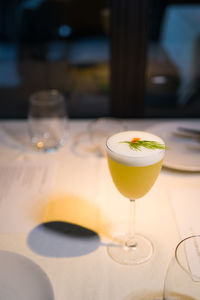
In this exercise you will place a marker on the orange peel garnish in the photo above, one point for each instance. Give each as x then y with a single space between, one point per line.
134 140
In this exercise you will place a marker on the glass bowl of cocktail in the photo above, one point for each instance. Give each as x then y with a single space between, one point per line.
135 160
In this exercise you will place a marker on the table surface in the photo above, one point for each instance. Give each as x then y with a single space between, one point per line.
83 194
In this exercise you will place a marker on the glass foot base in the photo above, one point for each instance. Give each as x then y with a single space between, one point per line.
129 255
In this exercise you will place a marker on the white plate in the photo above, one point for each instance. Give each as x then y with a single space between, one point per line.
22 279
184 152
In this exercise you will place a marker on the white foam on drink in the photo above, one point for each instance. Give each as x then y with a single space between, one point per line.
122 153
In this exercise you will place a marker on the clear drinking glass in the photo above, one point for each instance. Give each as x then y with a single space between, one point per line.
100 129
182 280
92 141
47 120
133 171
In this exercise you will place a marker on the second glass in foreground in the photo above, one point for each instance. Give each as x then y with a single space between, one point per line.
135 159
182 280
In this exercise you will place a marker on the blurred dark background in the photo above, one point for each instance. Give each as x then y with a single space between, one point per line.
65 45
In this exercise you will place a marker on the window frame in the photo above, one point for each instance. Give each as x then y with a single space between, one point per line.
128 57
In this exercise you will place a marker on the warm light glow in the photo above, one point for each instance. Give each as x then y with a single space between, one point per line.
40 145
76 210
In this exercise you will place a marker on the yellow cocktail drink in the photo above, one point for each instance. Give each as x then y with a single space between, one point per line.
134 159
133 171
133 182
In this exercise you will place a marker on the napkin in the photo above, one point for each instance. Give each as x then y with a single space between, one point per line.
24 187
186 207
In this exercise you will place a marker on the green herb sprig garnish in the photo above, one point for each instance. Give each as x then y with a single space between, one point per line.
136 144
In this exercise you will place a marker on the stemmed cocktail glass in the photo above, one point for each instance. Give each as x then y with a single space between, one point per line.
135 160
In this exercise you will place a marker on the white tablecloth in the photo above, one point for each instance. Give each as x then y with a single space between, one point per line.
83 193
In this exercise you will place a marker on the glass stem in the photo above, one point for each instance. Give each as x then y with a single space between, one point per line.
131 242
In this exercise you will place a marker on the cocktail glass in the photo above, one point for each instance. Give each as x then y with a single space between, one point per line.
135 160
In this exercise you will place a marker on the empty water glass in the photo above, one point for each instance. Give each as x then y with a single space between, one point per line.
47 120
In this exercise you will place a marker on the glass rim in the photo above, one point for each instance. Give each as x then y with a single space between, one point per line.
51 101
176 251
